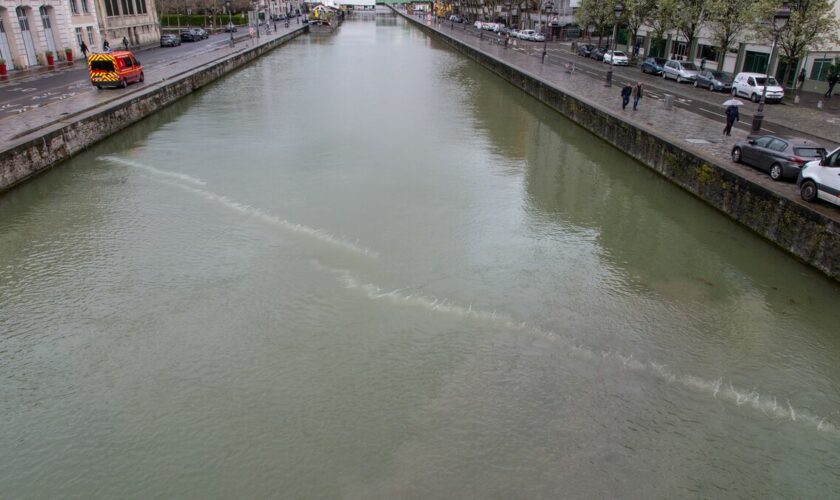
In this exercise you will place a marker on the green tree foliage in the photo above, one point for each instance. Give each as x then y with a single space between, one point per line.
597 13
637 13
689 17
727 19
812 25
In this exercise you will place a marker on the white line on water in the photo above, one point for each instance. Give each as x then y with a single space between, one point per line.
243 208
716 389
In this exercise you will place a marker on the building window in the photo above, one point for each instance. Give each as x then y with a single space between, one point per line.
74 8
127 7
90 36
85 7
111 8
79 38
819 71
141 6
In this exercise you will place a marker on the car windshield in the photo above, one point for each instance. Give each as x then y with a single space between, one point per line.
619 53
689 66
720 75
810 152
770 81
659 60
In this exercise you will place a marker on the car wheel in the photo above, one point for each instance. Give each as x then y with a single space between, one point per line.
679 79
711 88
776 172
142 77
736 154
99 87
696 85
664 75
123 83
808 191
755 98
734 92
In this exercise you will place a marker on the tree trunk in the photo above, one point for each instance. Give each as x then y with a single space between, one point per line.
722 57
787 72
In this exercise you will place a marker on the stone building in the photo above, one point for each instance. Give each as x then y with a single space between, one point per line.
30 28
135 20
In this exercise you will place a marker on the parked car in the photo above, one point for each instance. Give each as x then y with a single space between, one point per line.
202 33
169 40
478 24
456 19
779 156
716 81
751 85
821 179
190 35
538 37
616 57
527 34
230 28
585 49
514 33
681 71
653 65
598 54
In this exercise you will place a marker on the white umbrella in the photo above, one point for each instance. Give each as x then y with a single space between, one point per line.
733 102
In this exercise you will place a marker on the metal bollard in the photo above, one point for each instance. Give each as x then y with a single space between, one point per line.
669 101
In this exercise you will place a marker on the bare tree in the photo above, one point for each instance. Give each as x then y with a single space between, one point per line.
663 18
597 13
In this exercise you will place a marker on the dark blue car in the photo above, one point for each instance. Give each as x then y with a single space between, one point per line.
653 65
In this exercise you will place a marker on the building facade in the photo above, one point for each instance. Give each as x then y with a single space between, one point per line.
29 29
133 20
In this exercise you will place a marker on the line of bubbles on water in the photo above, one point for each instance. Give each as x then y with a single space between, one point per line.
718 389
243 208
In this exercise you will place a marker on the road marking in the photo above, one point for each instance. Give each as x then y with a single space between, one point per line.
709 111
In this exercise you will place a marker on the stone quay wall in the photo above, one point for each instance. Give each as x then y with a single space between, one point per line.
48 146
808 235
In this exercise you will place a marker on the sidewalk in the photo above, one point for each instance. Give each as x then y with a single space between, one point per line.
15 127
691 131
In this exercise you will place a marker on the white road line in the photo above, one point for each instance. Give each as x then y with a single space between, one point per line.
709 111
767 129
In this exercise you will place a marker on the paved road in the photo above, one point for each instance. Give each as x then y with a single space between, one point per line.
38 90
779 119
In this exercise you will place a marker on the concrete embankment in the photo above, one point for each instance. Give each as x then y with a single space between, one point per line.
47 146
793 225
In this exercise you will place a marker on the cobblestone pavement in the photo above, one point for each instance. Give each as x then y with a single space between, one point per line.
48 110
693 132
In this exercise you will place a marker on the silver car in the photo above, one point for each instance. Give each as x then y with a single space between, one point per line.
681 71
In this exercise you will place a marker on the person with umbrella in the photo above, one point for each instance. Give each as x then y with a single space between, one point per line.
732 115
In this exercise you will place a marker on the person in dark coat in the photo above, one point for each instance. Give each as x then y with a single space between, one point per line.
625 95
84 49
801 78
732 116
832 81
125 43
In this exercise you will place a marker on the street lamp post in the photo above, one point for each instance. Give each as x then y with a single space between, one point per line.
548 4
780 19
618 10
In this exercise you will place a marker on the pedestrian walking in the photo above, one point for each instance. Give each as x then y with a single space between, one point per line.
637 95
125 43
626 91
84 49
702 64
801 78
106 47
732 116
832 81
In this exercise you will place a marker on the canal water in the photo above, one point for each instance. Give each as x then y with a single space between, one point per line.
364 267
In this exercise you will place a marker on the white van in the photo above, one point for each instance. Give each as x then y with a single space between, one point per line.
821 179
751 85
